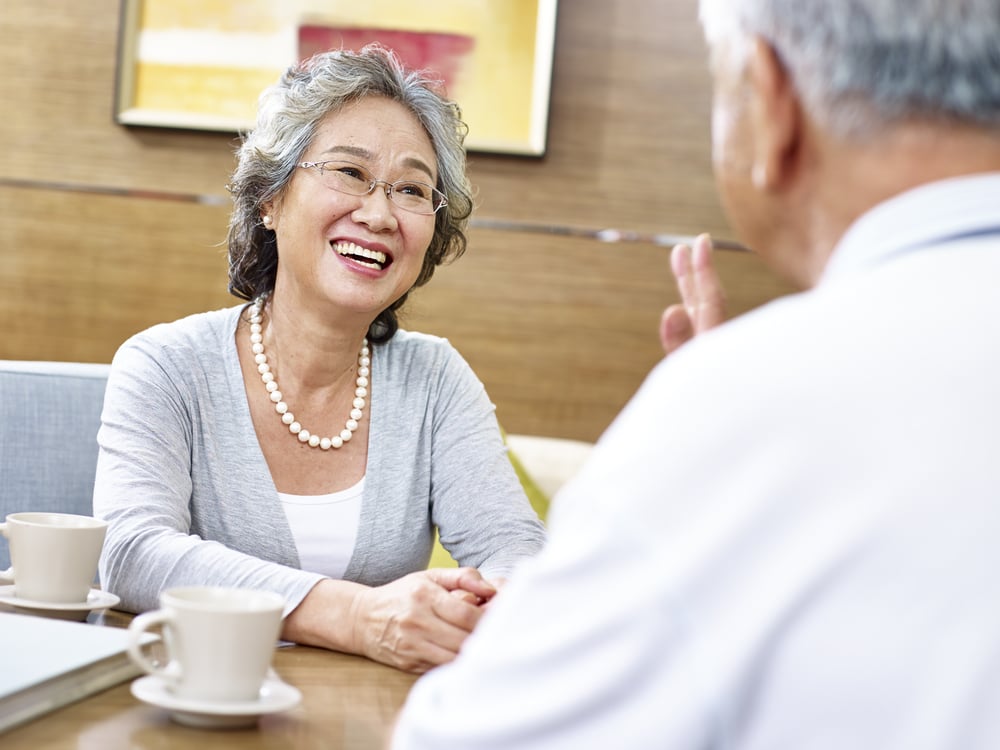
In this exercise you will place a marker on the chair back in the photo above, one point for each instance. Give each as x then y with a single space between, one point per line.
49 416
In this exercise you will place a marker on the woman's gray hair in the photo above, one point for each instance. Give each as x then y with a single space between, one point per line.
862 65
288 116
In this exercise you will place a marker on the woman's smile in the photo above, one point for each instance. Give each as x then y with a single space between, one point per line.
375 259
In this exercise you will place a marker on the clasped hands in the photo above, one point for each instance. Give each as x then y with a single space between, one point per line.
414 623
421 620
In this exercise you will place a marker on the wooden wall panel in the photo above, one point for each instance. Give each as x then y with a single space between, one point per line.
560 328
81 273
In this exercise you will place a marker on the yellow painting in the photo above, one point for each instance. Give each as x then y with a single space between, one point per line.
201 64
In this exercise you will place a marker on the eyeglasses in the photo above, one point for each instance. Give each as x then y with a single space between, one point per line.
353 179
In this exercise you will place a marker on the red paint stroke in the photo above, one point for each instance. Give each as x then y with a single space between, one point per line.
445 54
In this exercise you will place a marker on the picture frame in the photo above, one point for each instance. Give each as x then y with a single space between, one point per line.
201 64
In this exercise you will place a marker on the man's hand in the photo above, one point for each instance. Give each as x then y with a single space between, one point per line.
703 302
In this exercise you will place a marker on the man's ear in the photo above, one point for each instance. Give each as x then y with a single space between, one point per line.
776 118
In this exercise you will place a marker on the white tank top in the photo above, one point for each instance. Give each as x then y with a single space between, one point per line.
325 528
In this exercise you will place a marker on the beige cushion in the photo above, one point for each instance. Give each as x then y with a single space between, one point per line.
550 462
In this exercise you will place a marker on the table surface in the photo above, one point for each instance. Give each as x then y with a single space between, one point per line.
347 702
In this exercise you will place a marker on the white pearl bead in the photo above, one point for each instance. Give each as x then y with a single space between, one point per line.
313 440
255 328
360 392
287 417
356 414
257 348
276 396
364 372
263 367
365 361
363 382
303 436
325 443
295 428
260 359
271 386
359 403
352 424
345 435
256 338
336 441
281 407
267 377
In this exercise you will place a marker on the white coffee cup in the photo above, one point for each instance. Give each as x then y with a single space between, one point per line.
219 641
53 556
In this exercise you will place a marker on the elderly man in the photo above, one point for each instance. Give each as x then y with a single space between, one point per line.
790 537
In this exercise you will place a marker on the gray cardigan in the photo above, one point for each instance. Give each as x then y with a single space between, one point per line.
183 482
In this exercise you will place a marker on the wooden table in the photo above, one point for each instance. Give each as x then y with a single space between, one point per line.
347 702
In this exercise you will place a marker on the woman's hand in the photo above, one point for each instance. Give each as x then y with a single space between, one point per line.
421 620
413 624
703 301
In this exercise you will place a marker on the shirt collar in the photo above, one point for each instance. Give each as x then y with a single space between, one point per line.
924 215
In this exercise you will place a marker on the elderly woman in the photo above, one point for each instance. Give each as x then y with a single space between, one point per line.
327 488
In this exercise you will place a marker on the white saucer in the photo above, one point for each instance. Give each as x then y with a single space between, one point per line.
275 696
96 599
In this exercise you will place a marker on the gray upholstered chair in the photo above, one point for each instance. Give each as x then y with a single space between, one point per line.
49 416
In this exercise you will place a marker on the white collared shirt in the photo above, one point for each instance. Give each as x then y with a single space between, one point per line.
789 538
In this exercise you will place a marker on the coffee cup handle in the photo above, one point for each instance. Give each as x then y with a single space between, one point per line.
137 628
6 576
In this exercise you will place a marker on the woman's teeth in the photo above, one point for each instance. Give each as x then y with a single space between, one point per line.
362 255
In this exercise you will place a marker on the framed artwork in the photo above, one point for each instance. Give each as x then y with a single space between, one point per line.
201 64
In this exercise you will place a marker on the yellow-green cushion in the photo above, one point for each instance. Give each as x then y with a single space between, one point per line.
539 501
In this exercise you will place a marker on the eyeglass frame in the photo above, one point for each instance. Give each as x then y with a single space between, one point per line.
390 187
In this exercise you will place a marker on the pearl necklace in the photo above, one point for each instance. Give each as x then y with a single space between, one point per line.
304 436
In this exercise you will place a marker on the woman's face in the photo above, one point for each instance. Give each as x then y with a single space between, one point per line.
355 254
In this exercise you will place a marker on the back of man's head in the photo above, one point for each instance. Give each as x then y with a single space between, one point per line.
863 65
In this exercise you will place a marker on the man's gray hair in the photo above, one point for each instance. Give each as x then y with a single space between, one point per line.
862 65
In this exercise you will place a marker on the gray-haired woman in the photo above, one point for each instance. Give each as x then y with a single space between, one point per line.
348 193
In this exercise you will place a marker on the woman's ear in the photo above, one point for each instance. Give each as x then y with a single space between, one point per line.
776 118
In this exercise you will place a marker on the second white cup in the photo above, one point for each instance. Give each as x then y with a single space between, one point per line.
220 641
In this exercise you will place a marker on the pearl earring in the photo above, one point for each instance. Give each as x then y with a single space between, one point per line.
267 220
